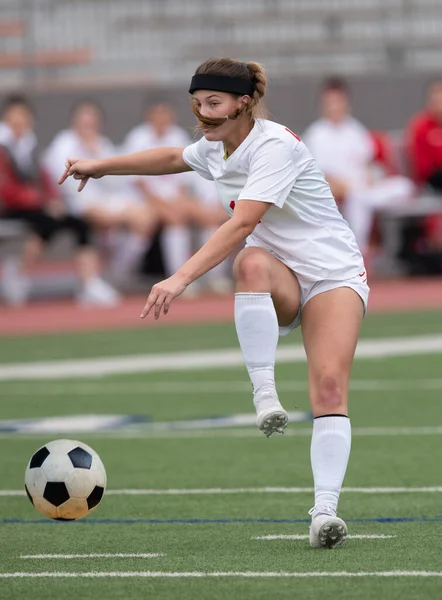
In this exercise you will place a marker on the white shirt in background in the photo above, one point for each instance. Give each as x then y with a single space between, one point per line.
341 150
304 227
112 192
144 137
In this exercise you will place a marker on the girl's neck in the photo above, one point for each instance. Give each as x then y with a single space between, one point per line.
237 137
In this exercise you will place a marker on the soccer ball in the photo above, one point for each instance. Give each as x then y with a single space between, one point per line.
65 480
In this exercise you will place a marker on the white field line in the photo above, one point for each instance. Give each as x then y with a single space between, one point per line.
136 433
179 361
271 490
202 574
252 490
253 433
306 537
69 556
98 388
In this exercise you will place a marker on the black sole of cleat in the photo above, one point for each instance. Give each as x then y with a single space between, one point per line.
332 536
274 425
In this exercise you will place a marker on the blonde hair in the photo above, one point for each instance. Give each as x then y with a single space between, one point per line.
230 67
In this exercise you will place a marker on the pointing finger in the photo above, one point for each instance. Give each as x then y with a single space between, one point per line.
63 176
150 302
159 305
83 182
167 303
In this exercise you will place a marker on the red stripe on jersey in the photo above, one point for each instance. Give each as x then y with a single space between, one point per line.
232 206
293 134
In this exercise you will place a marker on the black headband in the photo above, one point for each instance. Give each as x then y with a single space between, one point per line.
221 83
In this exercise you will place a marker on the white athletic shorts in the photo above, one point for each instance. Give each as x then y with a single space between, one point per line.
309 289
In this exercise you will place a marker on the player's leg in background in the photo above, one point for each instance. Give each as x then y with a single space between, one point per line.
134 227
93 289
219 279
267 296
176 238
16 282
361 206
176 243
330 328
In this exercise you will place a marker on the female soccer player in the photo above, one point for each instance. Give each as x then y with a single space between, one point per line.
300 264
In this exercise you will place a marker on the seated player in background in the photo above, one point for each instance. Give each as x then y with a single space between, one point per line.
301 264
424 149
175 198
28 195
123 223
345 151
424 140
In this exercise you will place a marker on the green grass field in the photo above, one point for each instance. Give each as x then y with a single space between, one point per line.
201 500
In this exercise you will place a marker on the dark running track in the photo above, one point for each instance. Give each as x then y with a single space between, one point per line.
66 316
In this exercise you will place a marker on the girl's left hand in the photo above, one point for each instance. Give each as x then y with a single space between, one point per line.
162 294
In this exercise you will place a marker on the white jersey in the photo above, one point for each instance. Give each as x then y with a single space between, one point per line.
304 227
342 150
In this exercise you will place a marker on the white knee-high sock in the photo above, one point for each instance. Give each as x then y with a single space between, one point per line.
329 453
257 328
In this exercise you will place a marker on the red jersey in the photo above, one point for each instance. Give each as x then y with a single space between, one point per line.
383 154
424 141
17 192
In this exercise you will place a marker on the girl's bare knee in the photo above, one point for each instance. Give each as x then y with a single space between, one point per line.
251 268
329 397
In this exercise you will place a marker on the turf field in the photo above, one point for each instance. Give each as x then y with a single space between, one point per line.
197 510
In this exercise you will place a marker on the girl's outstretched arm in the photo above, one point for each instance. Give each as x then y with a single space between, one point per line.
246 216
159 161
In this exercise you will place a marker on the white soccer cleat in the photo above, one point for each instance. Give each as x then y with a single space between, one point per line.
326 530
271 416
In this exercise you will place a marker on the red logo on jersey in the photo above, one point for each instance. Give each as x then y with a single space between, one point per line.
232 206
293 134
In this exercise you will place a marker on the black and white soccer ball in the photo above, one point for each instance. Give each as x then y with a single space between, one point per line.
65 480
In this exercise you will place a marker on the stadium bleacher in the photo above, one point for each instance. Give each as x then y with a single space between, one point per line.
63 42
354 36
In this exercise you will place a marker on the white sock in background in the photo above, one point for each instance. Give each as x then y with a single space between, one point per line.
329 453
128 253
223 269
258 333
176 245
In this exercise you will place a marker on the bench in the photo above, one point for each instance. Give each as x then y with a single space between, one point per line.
12 237
12 28
45 58
391 220
12 230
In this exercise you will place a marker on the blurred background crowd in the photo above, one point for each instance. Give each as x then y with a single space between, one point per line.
114 221
360 82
